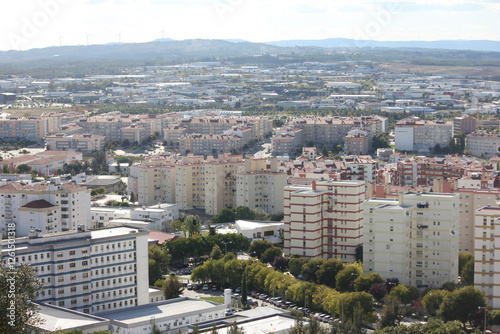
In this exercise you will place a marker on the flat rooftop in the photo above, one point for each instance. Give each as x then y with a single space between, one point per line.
168 309
56 318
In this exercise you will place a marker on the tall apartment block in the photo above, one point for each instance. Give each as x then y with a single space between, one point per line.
259 187
486 255
324 220
50 207
87 271
413 238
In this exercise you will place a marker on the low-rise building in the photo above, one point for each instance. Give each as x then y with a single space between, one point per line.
261 230
484 145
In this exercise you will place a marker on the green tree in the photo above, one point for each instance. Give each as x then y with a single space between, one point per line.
346 277
172 287
433 299
405 294
224 216
132 197
23 169
244 213
365 282
295 265
269 255
391 312
244 292
216 253
258 247
461 304
327 272
310 268
19 287
466 267
195 330
214 330
159 263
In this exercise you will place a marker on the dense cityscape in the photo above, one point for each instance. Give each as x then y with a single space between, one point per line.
274 189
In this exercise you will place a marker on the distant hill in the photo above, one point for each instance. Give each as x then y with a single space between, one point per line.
474 45
163 49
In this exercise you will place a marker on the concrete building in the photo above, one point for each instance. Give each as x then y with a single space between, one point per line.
77 142
324 220
357 142
361 168
50 207
88 271
287 140
260 187
413 238
486 255
261 230
155 181
483 144
190 183
413 134
169 316
159 216
28 128
220 183
464 124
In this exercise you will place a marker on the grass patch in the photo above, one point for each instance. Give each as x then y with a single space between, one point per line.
219 300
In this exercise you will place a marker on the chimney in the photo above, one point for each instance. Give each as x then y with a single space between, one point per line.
314 185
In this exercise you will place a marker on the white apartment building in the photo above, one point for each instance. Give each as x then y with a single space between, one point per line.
413 134
78 142
482 144
88 271
413 238
324 220
259 187
50 207
486 255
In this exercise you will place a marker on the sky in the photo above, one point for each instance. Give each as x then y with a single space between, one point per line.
31 24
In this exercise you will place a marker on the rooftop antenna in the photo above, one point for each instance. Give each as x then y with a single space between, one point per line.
163 33
120 37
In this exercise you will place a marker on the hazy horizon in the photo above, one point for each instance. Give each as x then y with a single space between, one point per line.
81 22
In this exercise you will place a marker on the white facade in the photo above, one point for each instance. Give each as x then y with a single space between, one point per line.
414 238
159 216
169 316
260 230
403 139
88 272
69 203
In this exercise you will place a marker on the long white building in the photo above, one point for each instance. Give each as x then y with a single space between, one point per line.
413 238
88 271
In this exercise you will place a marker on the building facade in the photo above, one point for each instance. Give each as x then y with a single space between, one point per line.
324 220
413 238
88 271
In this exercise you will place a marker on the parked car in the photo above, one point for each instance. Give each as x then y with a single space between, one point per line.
214 288
238 290
205 287
196 287
190 286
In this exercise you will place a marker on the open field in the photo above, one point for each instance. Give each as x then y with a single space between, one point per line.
473 72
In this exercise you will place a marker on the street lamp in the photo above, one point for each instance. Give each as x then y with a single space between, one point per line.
483 307
225 245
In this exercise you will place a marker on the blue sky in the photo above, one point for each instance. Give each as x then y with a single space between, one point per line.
39 23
